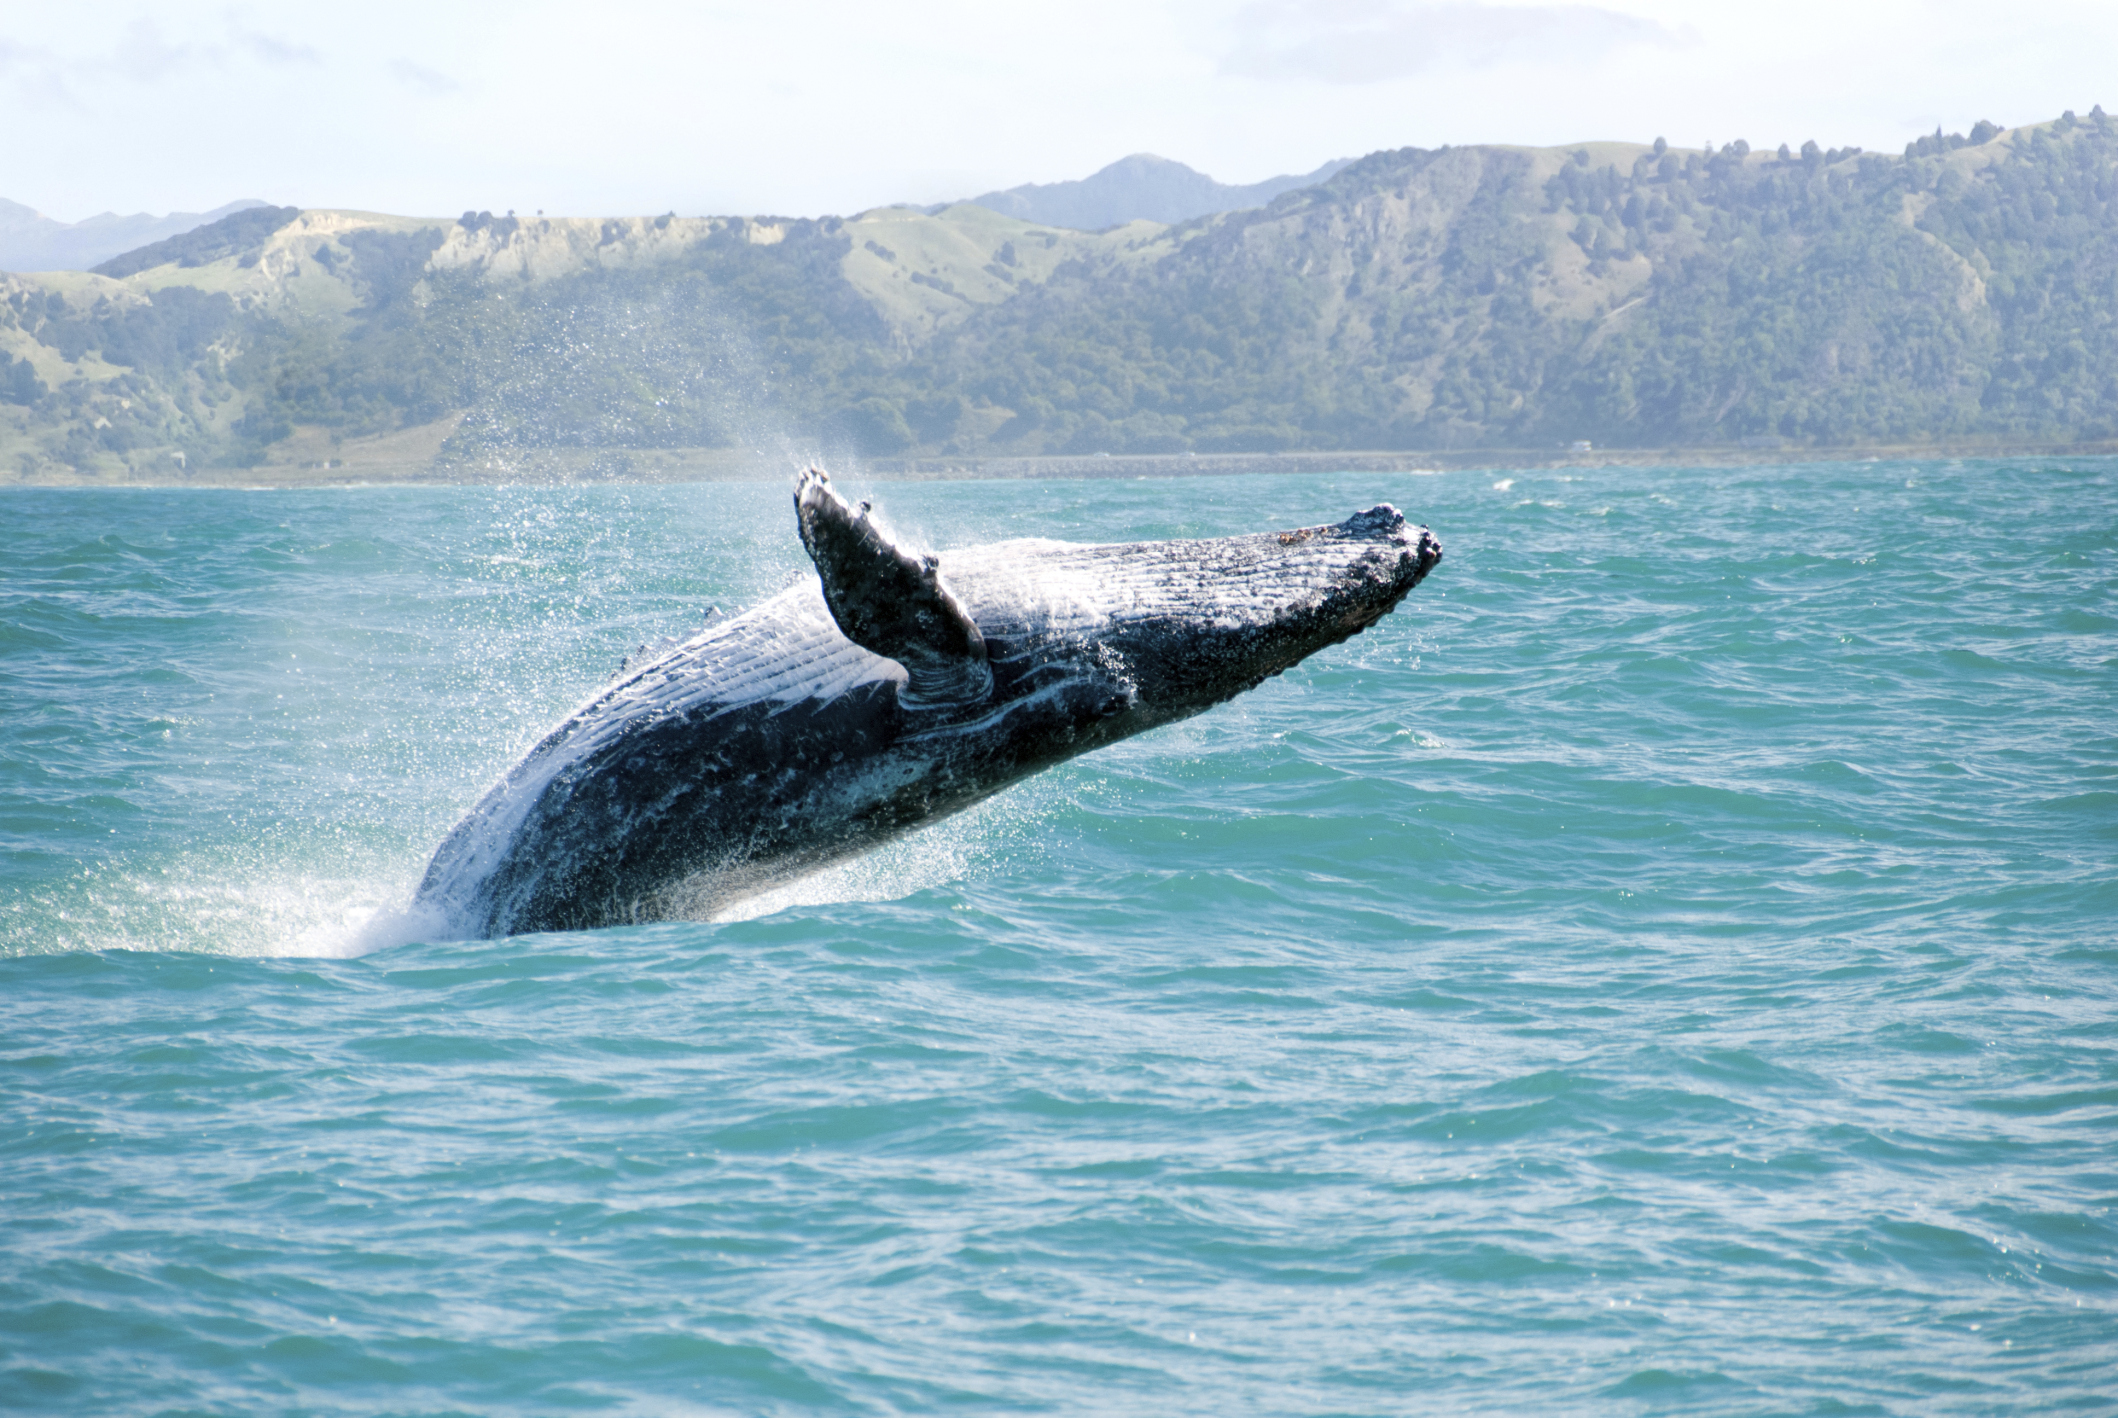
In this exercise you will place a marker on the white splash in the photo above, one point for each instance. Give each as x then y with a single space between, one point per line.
225 908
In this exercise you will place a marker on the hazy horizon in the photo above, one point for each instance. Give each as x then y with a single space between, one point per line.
834 108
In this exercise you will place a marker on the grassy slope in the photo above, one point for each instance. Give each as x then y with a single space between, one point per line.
1503 297
972 257
1462 297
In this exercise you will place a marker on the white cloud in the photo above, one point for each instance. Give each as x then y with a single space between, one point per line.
16 59
1371 41
274 49
420 77
38 83
143 55
813 106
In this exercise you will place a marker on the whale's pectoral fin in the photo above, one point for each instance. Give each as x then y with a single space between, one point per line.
890 602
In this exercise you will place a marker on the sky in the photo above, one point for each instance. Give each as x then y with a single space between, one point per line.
813 107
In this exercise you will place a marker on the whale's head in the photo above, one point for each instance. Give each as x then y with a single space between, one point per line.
1112 637
1178 626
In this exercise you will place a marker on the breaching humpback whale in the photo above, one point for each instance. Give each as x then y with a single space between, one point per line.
890 691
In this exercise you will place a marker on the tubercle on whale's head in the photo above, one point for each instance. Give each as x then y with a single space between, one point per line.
1255 606
1419 550
1340 579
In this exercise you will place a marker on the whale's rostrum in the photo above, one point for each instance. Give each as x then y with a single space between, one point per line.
890 691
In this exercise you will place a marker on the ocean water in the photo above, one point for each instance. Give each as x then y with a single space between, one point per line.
1670 965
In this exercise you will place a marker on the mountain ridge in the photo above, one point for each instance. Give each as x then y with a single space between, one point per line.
31 241
1140 187
1444 299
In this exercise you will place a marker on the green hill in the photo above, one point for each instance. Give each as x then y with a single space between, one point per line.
1458 298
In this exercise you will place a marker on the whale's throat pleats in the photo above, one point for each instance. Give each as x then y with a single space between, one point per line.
890 602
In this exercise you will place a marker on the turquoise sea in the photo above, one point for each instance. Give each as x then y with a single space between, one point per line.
1670 965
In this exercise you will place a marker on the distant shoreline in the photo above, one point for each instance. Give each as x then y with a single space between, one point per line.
585 467
1463 460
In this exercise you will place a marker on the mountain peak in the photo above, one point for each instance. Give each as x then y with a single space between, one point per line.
31 241
1140 186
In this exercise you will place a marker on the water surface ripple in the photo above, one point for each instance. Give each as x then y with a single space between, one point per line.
1667 967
